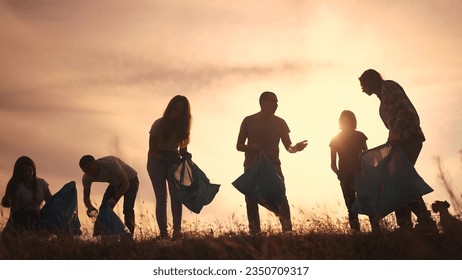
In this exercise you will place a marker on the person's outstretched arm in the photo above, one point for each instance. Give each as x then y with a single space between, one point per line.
300 146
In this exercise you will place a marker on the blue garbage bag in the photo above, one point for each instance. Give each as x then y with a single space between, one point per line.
262 183
60 214
191 186
107 223
387 182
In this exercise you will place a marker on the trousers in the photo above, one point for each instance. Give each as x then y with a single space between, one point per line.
158 173
412 147
129 201
253 214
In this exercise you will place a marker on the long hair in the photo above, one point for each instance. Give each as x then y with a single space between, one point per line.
347 120
18 176
178 124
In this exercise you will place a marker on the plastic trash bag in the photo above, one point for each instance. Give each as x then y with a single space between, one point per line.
60 214
183 173
191 186
107 223
387 182
262 183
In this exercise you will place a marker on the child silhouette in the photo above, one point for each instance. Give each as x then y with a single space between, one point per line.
346 146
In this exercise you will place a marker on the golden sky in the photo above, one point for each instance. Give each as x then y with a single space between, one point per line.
80 77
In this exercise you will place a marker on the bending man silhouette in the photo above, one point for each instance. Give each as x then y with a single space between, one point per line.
122 179
403 123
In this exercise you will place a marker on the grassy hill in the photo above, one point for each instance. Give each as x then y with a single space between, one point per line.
316 242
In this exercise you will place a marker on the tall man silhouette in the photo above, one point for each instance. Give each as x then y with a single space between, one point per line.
264 131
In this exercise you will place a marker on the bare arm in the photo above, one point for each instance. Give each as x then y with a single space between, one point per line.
300 146
47 194
241 138
365 148
333 160
86 194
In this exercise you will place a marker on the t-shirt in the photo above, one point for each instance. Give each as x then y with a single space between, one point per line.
25 199
348 146
110 168
397 112
164 144
265 133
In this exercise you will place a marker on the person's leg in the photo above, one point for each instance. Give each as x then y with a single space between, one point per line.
284 208
349 196
284 215
253 215
176 206
412 147
129 204
25 220
108 194
158 173
420 210
9 235
403 217
375 224
34 220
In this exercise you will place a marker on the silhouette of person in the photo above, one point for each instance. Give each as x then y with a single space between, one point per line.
347 145
24 195
122 179
263 131
168 141
403 123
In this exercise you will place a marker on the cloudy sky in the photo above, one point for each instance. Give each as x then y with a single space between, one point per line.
90 77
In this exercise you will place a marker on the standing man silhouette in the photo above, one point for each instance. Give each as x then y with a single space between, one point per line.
263 131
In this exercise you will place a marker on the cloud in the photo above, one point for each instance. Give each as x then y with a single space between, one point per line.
91 76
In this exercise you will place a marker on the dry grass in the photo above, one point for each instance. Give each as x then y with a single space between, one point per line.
445 180
319 237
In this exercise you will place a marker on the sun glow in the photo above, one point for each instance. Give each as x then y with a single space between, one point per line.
91 78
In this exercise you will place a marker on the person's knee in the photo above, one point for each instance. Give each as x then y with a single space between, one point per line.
129 212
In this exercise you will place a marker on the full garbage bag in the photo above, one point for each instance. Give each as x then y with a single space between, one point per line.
262 183
191 186
60 214
387 182
107 223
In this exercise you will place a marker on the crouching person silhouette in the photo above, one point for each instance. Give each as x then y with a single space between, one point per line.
122 179
24 195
